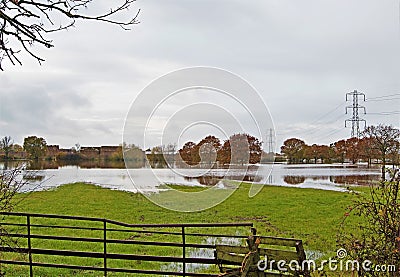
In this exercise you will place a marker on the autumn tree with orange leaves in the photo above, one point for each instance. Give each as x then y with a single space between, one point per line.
353 150
239 149
189 153
380 143
208 149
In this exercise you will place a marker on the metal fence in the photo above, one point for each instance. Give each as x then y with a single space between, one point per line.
33 237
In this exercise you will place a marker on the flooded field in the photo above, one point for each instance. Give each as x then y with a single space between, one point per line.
329 177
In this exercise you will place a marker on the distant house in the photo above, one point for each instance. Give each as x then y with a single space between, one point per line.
90 153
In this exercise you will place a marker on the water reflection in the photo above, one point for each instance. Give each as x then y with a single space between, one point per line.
212 180
204 180
41 165
51 164
362 180
294 180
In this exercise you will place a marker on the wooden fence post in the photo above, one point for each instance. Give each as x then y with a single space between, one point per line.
28 226
184 250
105 246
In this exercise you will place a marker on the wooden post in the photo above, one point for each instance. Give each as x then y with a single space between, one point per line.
105 246
252 257
184 251
28 225
302 257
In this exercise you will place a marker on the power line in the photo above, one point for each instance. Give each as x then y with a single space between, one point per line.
329 134
317 128
331 111
383 96
386 113
385 99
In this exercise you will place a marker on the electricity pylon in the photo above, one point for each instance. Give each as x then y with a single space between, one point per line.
355 119
270 141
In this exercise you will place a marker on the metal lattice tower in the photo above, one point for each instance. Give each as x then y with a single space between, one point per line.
355 119
270 141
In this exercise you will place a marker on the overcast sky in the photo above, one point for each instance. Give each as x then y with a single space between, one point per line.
301 56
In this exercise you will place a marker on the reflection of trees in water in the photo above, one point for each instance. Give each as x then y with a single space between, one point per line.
246 178
41 164
294 180
210 180
363 180
45 164
205 180
318 178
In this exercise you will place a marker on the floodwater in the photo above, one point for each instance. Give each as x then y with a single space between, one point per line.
328 177
318 176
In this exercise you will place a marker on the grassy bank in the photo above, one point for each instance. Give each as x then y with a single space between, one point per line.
311 215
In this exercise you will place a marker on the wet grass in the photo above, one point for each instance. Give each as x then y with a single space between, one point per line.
311 215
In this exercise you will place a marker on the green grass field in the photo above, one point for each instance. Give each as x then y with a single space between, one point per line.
309 214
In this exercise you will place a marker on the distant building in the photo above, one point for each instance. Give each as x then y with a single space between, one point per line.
52 152
90 153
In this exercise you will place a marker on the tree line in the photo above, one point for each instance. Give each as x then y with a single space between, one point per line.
36 148
239 149
380 143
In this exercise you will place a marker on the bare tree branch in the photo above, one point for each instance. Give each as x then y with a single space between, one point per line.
26 23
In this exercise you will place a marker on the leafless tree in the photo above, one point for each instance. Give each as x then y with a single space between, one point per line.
26 23
11 182
6 144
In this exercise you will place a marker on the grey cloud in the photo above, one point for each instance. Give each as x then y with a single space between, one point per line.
302 56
